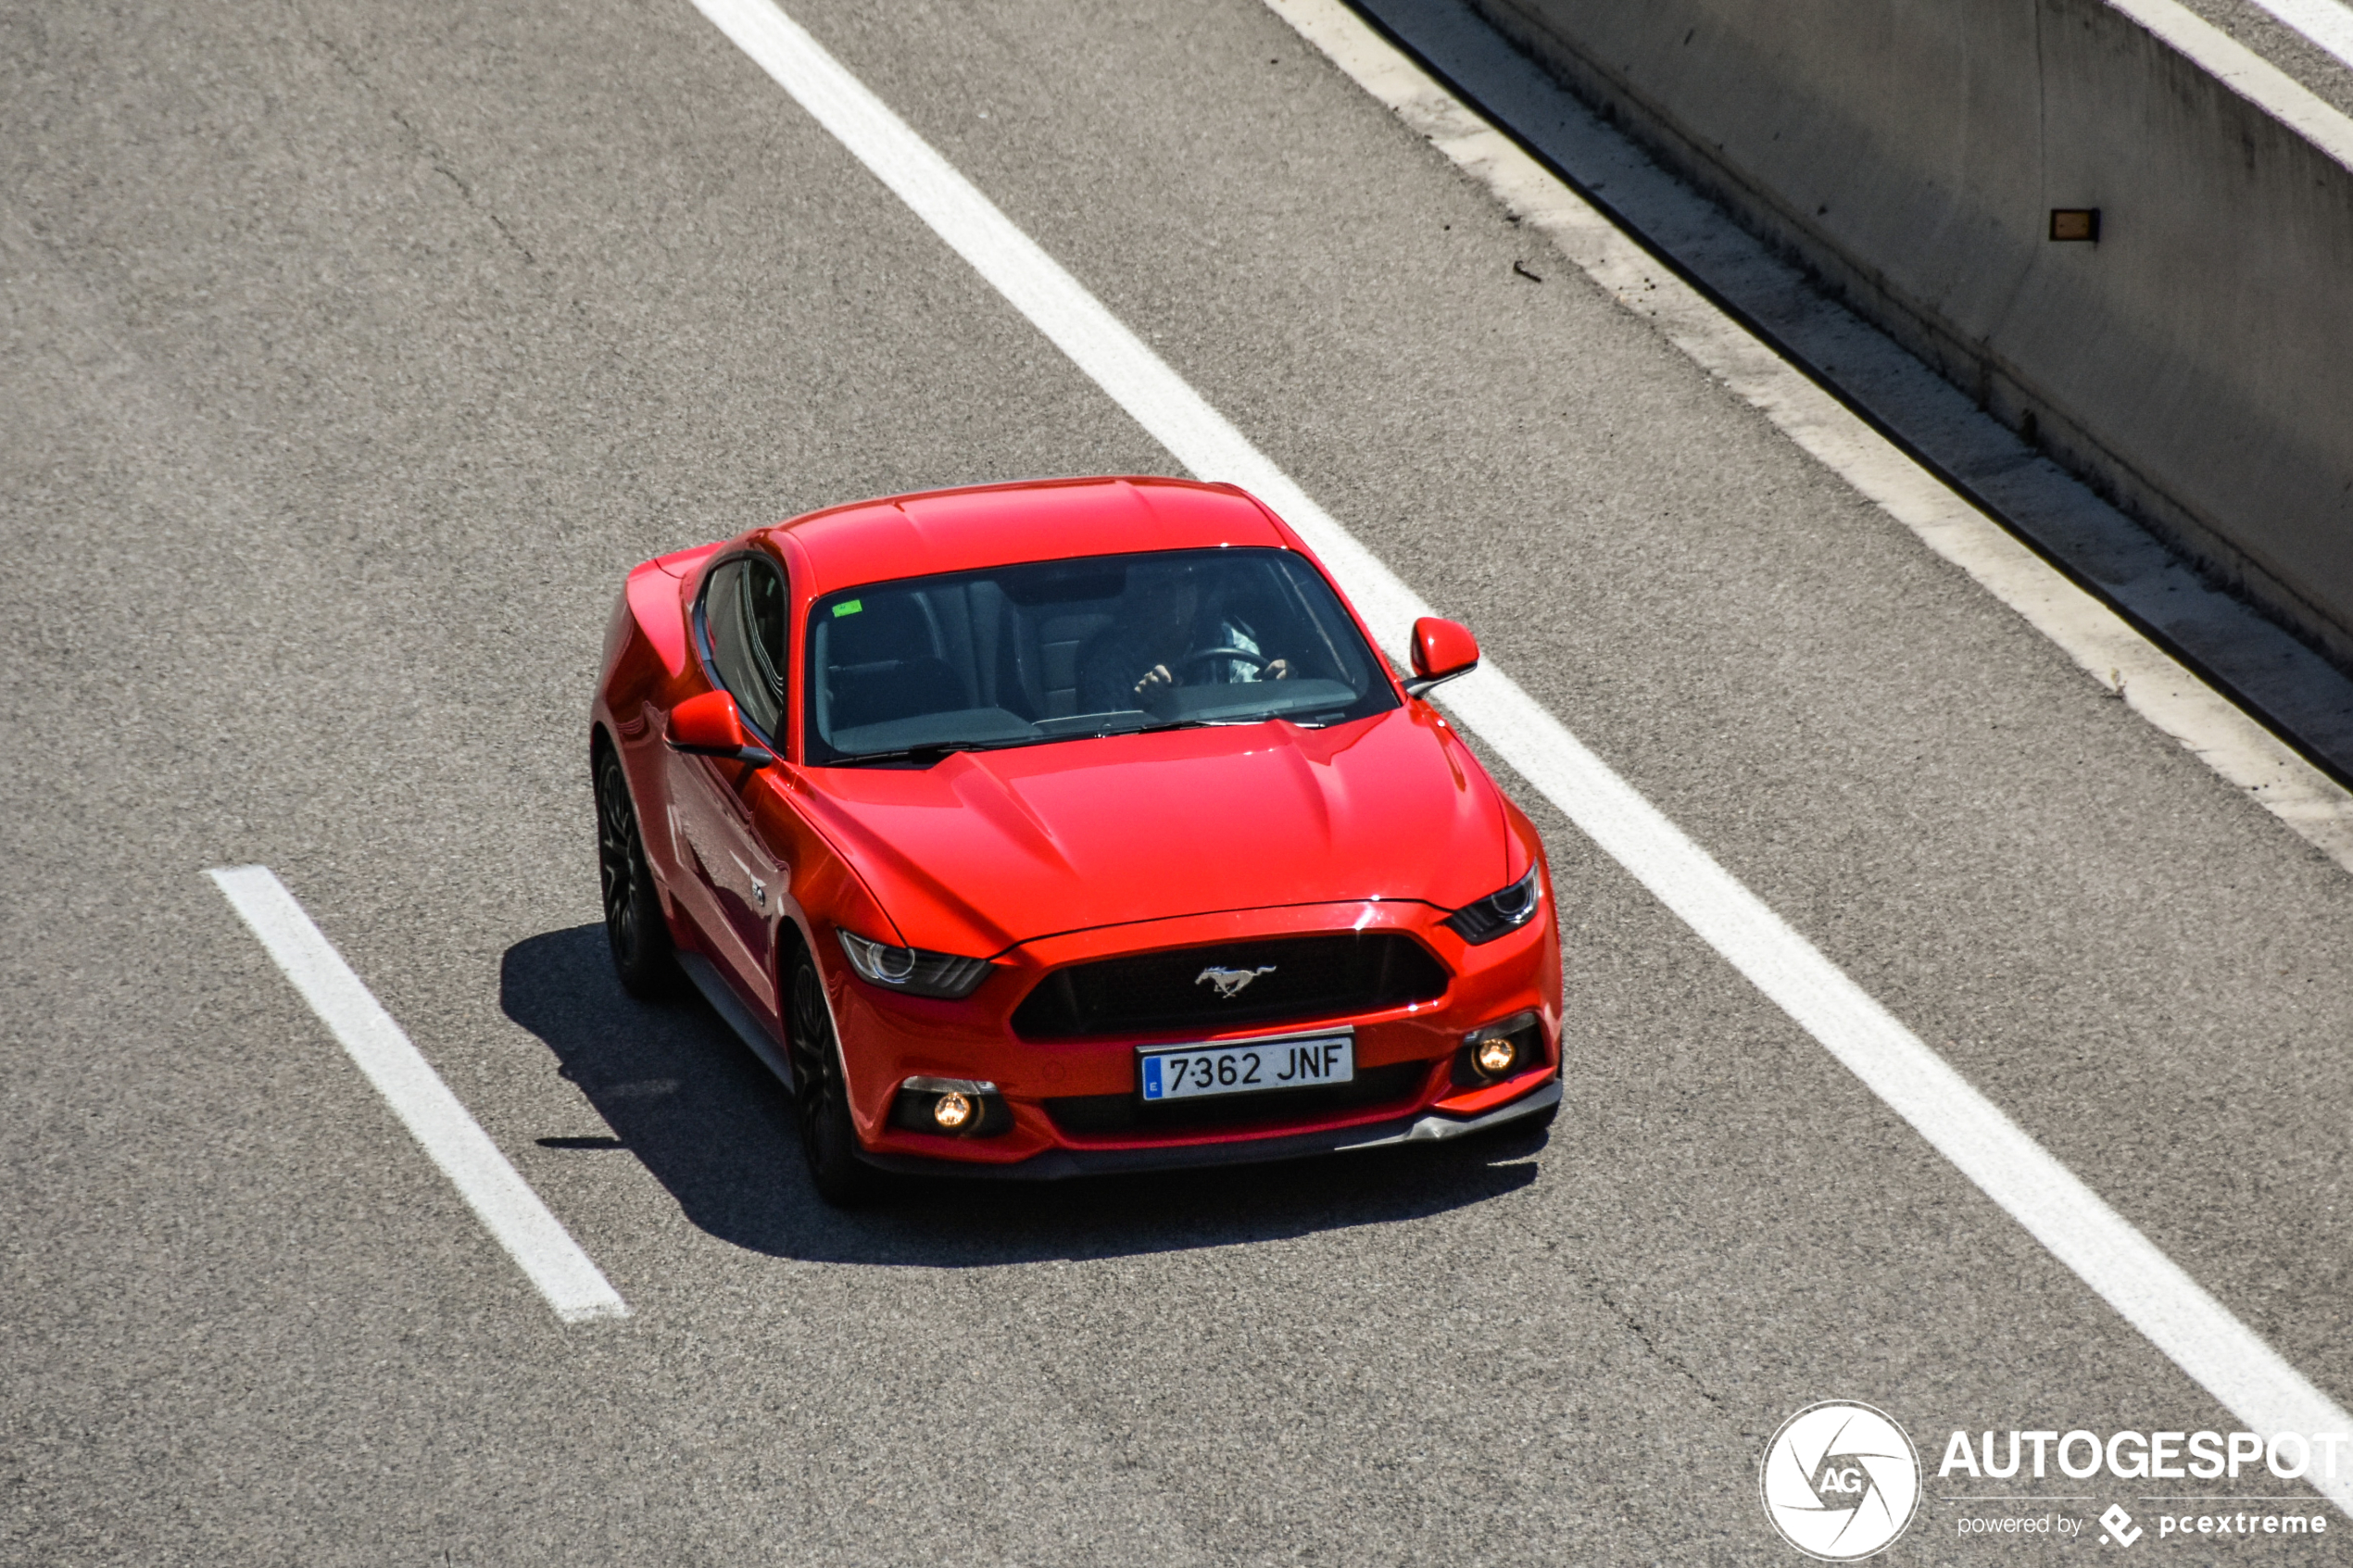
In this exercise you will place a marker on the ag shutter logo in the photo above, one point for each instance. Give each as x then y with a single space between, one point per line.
1840 1480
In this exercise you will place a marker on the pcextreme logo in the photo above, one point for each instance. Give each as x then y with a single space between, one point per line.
1840 1480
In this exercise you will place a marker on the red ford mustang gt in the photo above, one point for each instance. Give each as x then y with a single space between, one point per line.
1062 827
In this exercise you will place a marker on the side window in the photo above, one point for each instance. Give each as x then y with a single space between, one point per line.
743 610
764 597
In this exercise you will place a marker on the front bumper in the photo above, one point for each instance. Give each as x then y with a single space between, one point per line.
1402 1051
1060 1164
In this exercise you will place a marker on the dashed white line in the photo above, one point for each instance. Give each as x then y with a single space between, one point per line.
504 1203
2150 1291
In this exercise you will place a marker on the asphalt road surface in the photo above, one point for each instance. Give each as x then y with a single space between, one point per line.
350 353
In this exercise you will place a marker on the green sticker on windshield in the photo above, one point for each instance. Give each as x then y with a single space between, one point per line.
849 606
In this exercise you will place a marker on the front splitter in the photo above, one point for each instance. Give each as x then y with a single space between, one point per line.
1061 1164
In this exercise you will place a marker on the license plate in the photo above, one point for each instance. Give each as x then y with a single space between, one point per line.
1247 1066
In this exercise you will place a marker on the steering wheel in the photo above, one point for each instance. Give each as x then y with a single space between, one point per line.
1206 655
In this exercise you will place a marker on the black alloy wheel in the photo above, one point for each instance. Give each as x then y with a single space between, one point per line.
821 1100
634 926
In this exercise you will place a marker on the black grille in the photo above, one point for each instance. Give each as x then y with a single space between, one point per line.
1112 1115
1294 978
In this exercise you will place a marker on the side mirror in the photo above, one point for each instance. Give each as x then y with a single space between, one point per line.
708 725
1443 649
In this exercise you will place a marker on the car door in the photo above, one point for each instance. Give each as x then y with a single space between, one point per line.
740 627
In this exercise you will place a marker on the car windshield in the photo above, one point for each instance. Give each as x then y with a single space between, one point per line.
1057 650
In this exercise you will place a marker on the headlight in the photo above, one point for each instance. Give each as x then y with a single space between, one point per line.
1507 910
911 969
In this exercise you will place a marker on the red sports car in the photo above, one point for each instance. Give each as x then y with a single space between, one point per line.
1039 829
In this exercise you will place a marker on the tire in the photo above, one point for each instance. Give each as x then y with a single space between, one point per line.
821 1100
635 929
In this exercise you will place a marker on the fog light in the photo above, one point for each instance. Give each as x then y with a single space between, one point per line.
1496 1051
964 1108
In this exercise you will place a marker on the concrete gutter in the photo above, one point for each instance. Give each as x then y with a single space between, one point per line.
2194 364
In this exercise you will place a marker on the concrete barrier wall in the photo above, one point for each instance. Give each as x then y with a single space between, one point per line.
2195 364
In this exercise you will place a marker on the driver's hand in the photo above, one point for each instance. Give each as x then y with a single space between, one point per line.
1157 675
1278 670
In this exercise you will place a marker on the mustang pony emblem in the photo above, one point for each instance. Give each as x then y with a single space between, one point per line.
1230 982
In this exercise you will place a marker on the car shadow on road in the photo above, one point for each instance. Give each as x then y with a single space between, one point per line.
697 1110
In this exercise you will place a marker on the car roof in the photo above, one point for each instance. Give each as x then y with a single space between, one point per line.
1040 520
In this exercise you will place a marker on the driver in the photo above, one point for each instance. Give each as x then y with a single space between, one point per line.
1147 649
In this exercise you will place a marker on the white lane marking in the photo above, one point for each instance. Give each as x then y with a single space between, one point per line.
2106 647
498 1193
2133 1275
2152 1293
2325 22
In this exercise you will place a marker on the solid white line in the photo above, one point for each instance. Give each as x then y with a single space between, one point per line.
2325 22
2082 1231
2148 1288
498 1193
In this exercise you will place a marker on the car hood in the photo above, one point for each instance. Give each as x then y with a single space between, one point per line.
986 850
